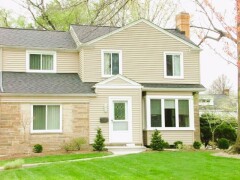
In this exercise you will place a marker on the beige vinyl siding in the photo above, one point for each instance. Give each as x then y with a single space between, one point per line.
1 57
118 81
43 99
98 104
81 52
187 137
15 60
67 62
143 50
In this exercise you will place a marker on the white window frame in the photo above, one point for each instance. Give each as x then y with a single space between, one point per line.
46 131
181 65
102 61
176 98
28 52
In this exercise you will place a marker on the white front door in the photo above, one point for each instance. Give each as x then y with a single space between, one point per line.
120 116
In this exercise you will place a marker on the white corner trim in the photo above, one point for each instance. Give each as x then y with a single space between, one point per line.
102 61
176 98
149 23
74 35
1 69
28 52
46 131
181 64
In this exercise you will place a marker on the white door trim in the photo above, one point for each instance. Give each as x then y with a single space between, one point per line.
129 114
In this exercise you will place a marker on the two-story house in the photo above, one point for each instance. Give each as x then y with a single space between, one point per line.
128 81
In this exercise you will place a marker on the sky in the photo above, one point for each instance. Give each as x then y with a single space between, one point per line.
211 65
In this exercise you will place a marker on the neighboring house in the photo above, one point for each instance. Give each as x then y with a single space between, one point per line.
128 81
219 104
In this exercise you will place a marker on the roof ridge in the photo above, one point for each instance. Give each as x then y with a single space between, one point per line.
32 29
94 25
170 28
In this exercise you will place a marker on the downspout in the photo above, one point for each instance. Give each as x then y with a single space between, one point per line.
1 70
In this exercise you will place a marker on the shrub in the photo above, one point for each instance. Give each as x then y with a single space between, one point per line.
98 144
37 148
157 143
178 144
197 145
74 144
206 134
166 145
226 131
14 164
223 143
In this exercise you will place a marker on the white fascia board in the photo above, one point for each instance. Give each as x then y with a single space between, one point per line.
40 48
131 82
174 89
47 95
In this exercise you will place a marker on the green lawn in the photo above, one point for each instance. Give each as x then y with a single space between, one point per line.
54 158
151 165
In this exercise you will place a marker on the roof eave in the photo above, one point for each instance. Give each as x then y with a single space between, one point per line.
174 89
47 95
39 48
194 47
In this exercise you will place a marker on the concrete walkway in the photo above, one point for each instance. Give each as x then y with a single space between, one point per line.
73 160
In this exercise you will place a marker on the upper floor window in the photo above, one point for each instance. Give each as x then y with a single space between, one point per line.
111 62
173 65
38 61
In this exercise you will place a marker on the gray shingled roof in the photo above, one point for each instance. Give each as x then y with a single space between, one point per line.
45 83
61 39
36 38
174 86
181 35
86 33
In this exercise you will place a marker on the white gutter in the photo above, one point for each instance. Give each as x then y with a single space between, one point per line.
40 48
175 89
52 95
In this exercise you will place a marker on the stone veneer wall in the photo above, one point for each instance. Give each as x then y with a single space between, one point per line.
15 136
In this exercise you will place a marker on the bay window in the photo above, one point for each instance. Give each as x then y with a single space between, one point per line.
170 112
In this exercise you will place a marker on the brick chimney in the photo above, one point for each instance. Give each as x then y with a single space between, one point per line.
183 23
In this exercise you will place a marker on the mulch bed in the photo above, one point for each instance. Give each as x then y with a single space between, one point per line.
44 153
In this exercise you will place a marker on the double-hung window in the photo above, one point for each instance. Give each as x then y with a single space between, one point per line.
173 65
41 61
167 112
111 62
46 118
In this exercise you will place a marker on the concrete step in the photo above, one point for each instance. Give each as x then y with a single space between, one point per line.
127 149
